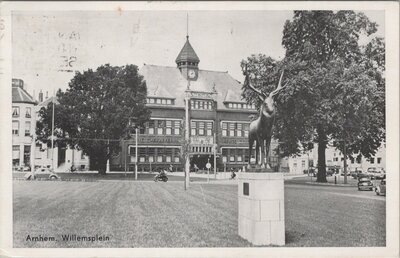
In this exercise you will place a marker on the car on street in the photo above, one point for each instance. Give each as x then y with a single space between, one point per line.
378 173
365 183
42 173
381 188
355 173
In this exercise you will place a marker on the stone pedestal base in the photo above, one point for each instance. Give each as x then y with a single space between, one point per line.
261 208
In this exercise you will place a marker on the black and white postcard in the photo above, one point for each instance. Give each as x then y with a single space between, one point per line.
199 129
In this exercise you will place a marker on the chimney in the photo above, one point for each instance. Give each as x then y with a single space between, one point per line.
47 94
40 96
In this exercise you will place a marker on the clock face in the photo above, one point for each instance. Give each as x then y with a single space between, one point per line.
191 74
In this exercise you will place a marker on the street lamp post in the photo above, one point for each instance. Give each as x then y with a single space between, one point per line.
187 158
52 134
136 152
215 155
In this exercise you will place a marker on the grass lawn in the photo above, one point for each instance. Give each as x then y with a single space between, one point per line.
131 214
150 214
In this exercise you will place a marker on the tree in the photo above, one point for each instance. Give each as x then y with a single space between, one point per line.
331 80
98 105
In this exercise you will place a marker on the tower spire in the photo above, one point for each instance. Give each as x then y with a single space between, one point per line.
187 26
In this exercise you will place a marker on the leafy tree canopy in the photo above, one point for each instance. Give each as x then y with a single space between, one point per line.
335 86
98 105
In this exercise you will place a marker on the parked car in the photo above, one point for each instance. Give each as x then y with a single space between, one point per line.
355 173
43 173
378 173
365 183
381 188
23 168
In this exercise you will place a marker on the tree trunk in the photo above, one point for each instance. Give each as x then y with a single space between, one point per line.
98 163
321 175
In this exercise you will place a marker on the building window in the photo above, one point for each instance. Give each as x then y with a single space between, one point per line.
246 130
27 155
160 153
177 127
15 111
168 155
303 163
224 129
209 128
28 112
378 160
151 152
27 128
193 128
160 128
372 160
151 125
176 155
142 154
168 129
359 160
239 105
352 159
201 128
201 104
15 127
239 130
15 155
231 129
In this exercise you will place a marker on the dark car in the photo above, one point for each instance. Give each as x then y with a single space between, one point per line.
355 173
381 188
365 183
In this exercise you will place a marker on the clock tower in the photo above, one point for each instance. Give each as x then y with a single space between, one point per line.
188 62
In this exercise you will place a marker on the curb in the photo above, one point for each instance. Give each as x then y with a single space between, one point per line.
330 184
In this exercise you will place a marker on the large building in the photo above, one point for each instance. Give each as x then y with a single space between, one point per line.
217 114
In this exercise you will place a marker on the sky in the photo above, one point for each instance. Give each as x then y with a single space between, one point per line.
47 47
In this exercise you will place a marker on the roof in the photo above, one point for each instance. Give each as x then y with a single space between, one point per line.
187 53
167 82
19 95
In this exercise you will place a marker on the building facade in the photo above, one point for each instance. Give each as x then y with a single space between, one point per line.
23 125
218 119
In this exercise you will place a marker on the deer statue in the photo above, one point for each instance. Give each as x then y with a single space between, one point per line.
261 129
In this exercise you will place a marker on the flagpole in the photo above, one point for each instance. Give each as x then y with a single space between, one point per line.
52 134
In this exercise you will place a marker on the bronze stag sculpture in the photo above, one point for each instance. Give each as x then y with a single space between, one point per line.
261 129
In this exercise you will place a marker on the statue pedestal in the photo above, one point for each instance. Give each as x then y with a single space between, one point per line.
261 208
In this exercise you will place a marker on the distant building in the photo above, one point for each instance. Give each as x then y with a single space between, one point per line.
23 124
64 157
335 159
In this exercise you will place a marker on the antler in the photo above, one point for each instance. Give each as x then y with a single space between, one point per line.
279 88
248 83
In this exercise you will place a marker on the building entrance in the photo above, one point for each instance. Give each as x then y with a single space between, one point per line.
201 160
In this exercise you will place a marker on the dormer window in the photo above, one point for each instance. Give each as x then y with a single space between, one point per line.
160 101
233 105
